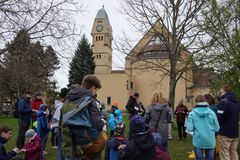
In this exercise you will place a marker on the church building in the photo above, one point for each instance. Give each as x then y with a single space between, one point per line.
118 85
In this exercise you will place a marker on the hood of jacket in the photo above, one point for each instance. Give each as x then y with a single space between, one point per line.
201 109
36 138
230 96
78 93
144 141
118 113
158 107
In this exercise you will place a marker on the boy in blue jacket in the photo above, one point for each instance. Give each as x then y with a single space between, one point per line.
111 151
202 121
42 126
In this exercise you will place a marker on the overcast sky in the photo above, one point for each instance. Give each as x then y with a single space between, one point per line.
120 23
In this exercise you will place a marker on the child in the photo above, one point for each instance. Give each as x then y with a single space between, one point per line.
33 146
141 146
111 123
160 153
111 151
203 123
42 127
113 120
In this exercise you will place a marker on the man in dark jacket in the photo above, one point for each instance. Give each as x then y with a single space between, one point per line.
141 146
5 134
24 120
181 112
228 117
132 105
89 87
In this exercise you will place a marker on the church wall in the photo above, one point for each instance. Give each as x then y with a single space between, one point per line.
114 86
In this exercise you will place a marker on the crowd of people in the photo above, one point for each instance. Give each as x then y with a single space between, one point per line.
78 123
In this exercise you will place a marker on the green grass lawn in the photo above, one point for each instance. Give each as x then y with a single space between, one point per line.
177 149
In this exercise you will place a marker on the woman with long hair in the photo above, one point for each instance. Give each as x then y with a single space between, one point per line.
158 115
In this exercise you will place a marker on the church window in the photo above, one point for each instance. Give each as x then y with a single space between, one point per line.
108 100
101 38
96 38
99 56
127 85
155 41
131 85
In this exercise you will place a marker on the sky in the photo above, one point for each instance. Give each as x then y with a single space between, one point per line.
120 24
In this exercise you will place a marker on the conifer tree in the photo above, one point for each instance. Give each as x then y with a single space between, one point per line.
82 62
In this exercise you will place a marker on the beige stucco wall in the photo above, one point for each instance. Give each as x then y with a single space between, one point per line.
114 86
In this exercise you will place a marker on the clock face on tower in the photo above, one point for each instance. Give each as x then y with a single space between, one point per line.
99 28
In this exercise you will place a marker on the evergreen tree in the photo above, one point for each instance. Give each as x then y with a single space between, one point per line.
26 66
82 62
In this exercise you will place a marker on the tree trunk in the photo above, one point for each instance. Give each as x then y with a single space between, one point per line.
172 86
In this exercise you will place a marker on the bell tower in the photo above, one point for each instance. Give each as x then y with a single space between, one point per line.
102 42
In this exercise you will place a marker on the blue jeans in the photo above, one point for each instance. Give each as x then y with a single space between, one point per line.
209 153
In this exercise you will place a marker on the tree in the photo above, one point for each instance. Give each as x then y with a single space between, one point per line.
222 24
26 66
82 62
177 30
44 20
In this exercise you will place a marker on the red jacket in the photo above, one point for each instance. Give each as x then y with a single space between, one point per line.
36 103
161 155
33 149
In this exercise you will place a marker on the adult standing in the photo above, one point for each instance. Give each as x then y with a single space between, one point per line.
5 134
70 134
181 113
228 117
24 120
35 104
158 115
202 121
132 105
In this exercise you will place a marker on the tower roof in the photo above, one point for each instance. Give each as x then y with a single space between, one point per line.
102 14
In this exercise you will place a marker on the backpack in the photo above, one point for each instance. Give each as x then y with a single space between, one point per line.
15 111
76 127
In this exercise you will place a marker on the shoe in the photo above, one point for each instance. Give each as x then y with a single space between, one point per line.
45 153
54 147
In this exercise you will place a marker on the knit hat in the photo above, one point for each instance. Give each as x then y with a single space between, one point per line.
157 139
115 103
43 107
137 125
120 127
30 133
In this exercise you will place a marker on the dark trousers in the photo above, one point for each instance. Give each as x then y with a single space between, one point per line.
181 131
54 137
23 127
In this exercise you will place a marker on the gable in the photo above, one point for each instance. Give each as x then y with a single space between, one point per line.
150 41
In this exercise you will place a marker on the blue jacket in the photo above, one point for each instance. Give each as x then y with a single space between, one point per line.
202 121
25 110
114 119
228 113
42 123
111 151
